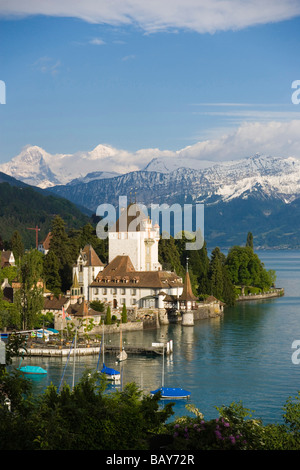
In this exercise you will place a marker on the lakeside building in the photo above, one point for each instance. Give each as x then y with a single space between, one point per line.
85 270
133 275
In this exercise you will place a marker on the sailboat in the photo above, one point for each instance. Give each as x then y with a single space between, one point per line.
111 374
169 392
122 356
36 370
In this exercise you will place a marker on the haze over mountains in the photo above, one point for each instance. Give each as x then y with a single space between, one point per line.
260 193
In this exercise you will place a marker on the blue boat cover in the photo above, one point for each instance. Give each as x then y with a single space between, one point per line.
33 370
108 371
171 392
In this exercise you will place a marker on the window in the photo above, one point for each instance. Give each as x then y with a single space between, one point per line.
104 291
123 301
113 291
133 291
123 291
133 301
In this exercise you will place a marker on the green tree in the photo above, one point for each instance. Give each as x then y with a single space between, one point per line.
108 316
61 247
216 273
29 297
124 314
51 272
97 305
17 246
249 241
246 269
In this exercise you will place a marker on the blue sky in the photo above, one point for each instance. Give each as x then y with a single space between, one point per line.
134 83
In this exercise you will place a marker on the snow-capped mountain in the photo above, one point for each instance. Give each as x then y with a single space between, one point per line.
37 167
167 173
259 193
260 176
34 166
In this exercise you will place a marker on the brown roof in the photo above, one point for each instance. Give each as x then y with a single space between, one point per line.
211 299
187 293
91 256
5 255
81 309
121 271
54 303
128 216
46 242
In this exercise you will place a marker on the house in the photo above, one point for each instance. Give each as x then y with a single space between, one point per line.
44 246
55 304
7 291
120 283
87 267
79 314
7 259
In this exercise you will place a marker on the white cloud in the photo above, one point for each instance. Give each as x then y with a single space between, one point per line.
97 42
197 15
47 65
271 138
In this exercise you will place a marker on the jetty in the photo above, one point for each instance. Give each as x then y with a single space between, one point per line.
52 351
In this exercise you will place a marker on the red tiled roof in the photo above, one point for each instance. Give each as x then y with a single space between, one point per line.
92 257
121 271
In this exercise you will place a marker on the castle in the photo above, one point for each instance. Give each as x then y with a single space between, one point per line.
133 275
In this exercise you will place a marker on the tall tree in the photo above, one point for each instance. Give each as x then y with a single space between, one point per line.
51 272
249 241
216 273
61 247
29 296
124 314
17 246
108 316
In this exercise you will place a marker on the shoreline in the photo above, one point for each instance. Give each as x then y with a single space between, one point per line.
279 292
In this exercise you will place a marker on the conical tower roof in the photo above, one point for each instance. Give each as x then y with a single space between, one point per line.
187 293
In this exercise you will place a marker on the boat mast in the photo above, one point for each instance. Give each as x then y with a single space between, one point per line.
163 367
74 358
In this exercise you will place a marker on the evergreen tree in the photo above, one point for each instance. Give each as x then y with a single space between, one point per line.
51 273
220 283
216 274
169 255
108 316
29 297
61 247
249 241
87 236
17 246
124 314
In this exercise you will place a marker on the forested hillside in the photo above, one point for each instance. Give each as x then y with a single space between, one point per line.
24 207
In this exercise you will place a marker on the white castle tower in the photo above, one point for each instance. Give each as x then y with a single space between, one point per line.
134 235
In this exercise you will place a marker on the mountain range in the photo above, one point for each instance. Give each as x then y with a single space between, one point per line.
260 193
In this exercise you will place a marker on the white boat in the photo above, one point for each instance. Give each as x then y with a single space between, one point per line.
122 356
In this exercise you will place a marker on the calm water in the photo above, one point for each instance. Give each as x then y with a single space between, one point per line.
243 356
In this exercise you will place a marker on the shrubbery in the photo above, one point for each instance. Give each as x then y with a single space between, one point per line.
88 418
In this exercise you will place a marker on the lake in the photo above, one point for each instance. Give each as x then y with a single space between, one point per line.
245 355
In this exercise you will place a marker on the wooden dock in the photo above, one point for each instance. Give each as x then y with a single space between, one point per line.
44 351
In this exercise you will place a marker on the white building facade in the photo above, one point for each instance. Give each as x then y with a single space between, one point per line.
134 235
86 269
